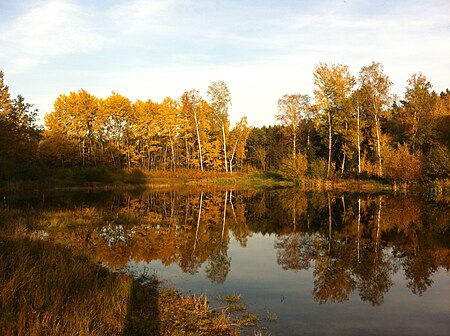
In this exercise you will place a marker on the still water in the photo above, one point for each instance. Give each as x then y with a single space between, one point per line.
305 263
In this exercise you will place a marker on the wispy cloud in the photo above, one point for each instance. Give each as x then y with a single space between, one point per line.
49 29
140 16
263 49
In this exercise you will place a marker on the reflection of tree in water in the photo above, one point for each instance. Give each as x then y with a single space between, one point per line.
374 274
294 204
357 243
418 271
333 280
219 265
354 242
295 251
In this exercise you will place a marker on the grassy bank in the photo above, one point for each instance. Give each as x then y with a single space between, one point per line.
110 178
47 289
78 178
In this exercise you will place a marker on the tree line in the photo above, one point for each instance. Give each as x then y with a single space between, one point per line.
188 132
352 126
355 126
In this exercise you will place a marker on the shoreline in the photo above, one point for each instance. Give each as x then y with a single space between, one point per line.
73 181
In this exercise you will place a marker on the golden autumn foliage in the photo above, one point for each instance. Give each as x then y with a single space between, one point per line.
351 126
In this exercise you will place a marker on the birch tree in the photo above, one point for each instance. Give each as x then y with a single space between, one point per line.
220 101
291 110
239 135
191 102
332 95
375 87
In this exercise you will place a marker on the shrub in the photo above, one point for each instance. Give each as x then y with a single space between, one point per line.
318 168
437 162
294 168
402 164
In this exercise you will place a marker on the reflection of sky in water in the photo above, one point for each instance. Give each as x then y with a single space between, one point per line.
268 289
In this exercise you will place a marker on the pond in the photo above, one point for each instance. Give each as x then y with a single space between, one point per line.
306 263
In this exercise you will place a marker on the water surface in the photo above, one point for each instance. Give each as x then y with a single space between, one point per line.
306 263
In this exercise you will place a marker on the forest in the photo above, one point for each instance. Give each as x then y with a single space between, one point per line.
352 127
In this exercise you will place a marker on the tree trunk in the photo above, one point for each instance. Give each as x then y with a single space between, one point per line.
82 152
378 135
380 173
128 154
187 153
198 141
359 142
295 143
359 225
308 140
329 224
224 147
232 208
232 155
329 144
378 225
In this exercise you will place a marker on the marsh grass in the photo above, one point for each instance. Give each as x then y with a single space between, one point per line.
230 298
47 289
318 184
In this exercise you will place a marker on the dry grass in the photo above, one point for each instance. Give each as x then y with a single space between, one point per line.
312 184
46 289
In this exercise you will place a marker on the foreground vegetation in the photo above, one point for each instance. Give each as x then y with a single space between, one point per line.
48 289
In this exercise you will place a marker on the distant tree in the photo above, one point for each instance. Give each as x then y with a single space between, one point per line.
332 95
145 130
293 168
291 110
75 116
260 154
220 101
238 138
171 126
5 98
117 119
191 102
58 150
375 100
19 134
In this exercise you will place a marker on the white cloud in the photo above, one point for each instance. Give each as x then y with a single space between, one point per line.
47 29
138 16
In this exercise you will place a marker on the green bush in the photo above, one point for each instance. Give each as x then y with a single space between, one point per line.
294 168
437 163
318 168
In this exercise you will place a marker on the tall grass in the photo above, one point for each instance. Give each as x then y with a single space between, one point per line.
46 289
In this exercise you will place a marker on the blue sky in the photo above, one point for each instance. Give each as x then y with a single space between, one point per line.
151 49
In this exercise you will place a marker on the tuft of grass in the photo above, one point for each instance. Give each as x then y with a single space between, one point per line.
192 316
230 298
